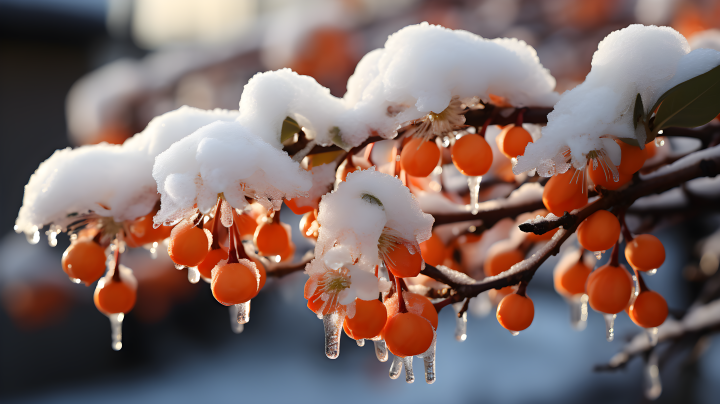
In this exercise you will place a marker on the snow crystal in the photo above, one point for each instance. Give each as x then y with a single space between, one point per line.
456 276
224 158
108 180
648 60
422 67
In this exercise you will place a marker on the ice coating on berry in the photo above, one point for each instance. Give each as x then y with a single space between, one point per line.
109 180
224 157
648 60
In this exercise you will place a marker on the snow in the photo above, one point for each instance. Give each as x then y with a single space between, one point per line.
687 161
422 67
109 180
224 158
648 60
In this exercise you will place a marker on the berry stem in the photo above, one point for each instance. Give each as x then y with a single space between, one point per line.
625 230
520 117
199 220
464 308
240 252
484 127
216 226
522 288
582 256
401 298
391 279
614 256
232 251
116 271
641 282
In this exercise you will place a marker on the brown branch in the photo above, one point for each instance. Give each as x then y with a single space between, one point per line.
280 271
489 217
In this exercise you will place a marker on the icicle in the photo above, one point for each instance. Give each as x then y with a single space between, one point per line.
652 334
396 367
514 333
460 322
409 375
381 350
243 312
179 267
578 311
651 272
52 238
34 237
474 185
610 326
332 335
429 362
116 330
653 387
236 327
153 250
226 214
193 275
360 342
598 254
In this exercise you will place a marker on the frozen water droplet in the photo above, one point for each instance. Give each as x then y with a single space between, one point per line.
193 275
360 342
179 267
332 324
651 272
16 228
652 334
514 333
429 362
598 254
396 367
52 239
75 280
460 322
243 313
610 326
409 375
153 250
236 327
474 185
659 141
278 258
34 237
578 311
116 330
381 351
653 387
446 142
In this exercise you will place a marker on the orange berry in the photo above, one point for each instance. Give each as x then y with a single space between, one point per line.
609 289
632 158
645 252
141 232
246 224
433 250
261 270
299 210
572 280
515 312
234 284
369 319
407 334
315 302
289 253
114 297
306 223
650 150
565 192
649 309
84 260
402 263
211 260
415 303
189 245
599 232
498 263
271 239
472 155
605 178
512 141
419 157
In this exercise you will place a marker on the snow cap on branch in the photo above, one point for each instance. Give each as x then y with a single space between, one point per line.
423 67
224 157
645 60
109 180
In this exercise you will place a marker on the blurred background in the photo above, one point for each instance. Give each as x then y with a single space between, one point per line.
76 72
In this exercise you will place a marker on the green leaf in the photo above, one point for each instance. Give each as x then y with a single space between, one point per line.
639 111
338 140
289 128
691 103
372 199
